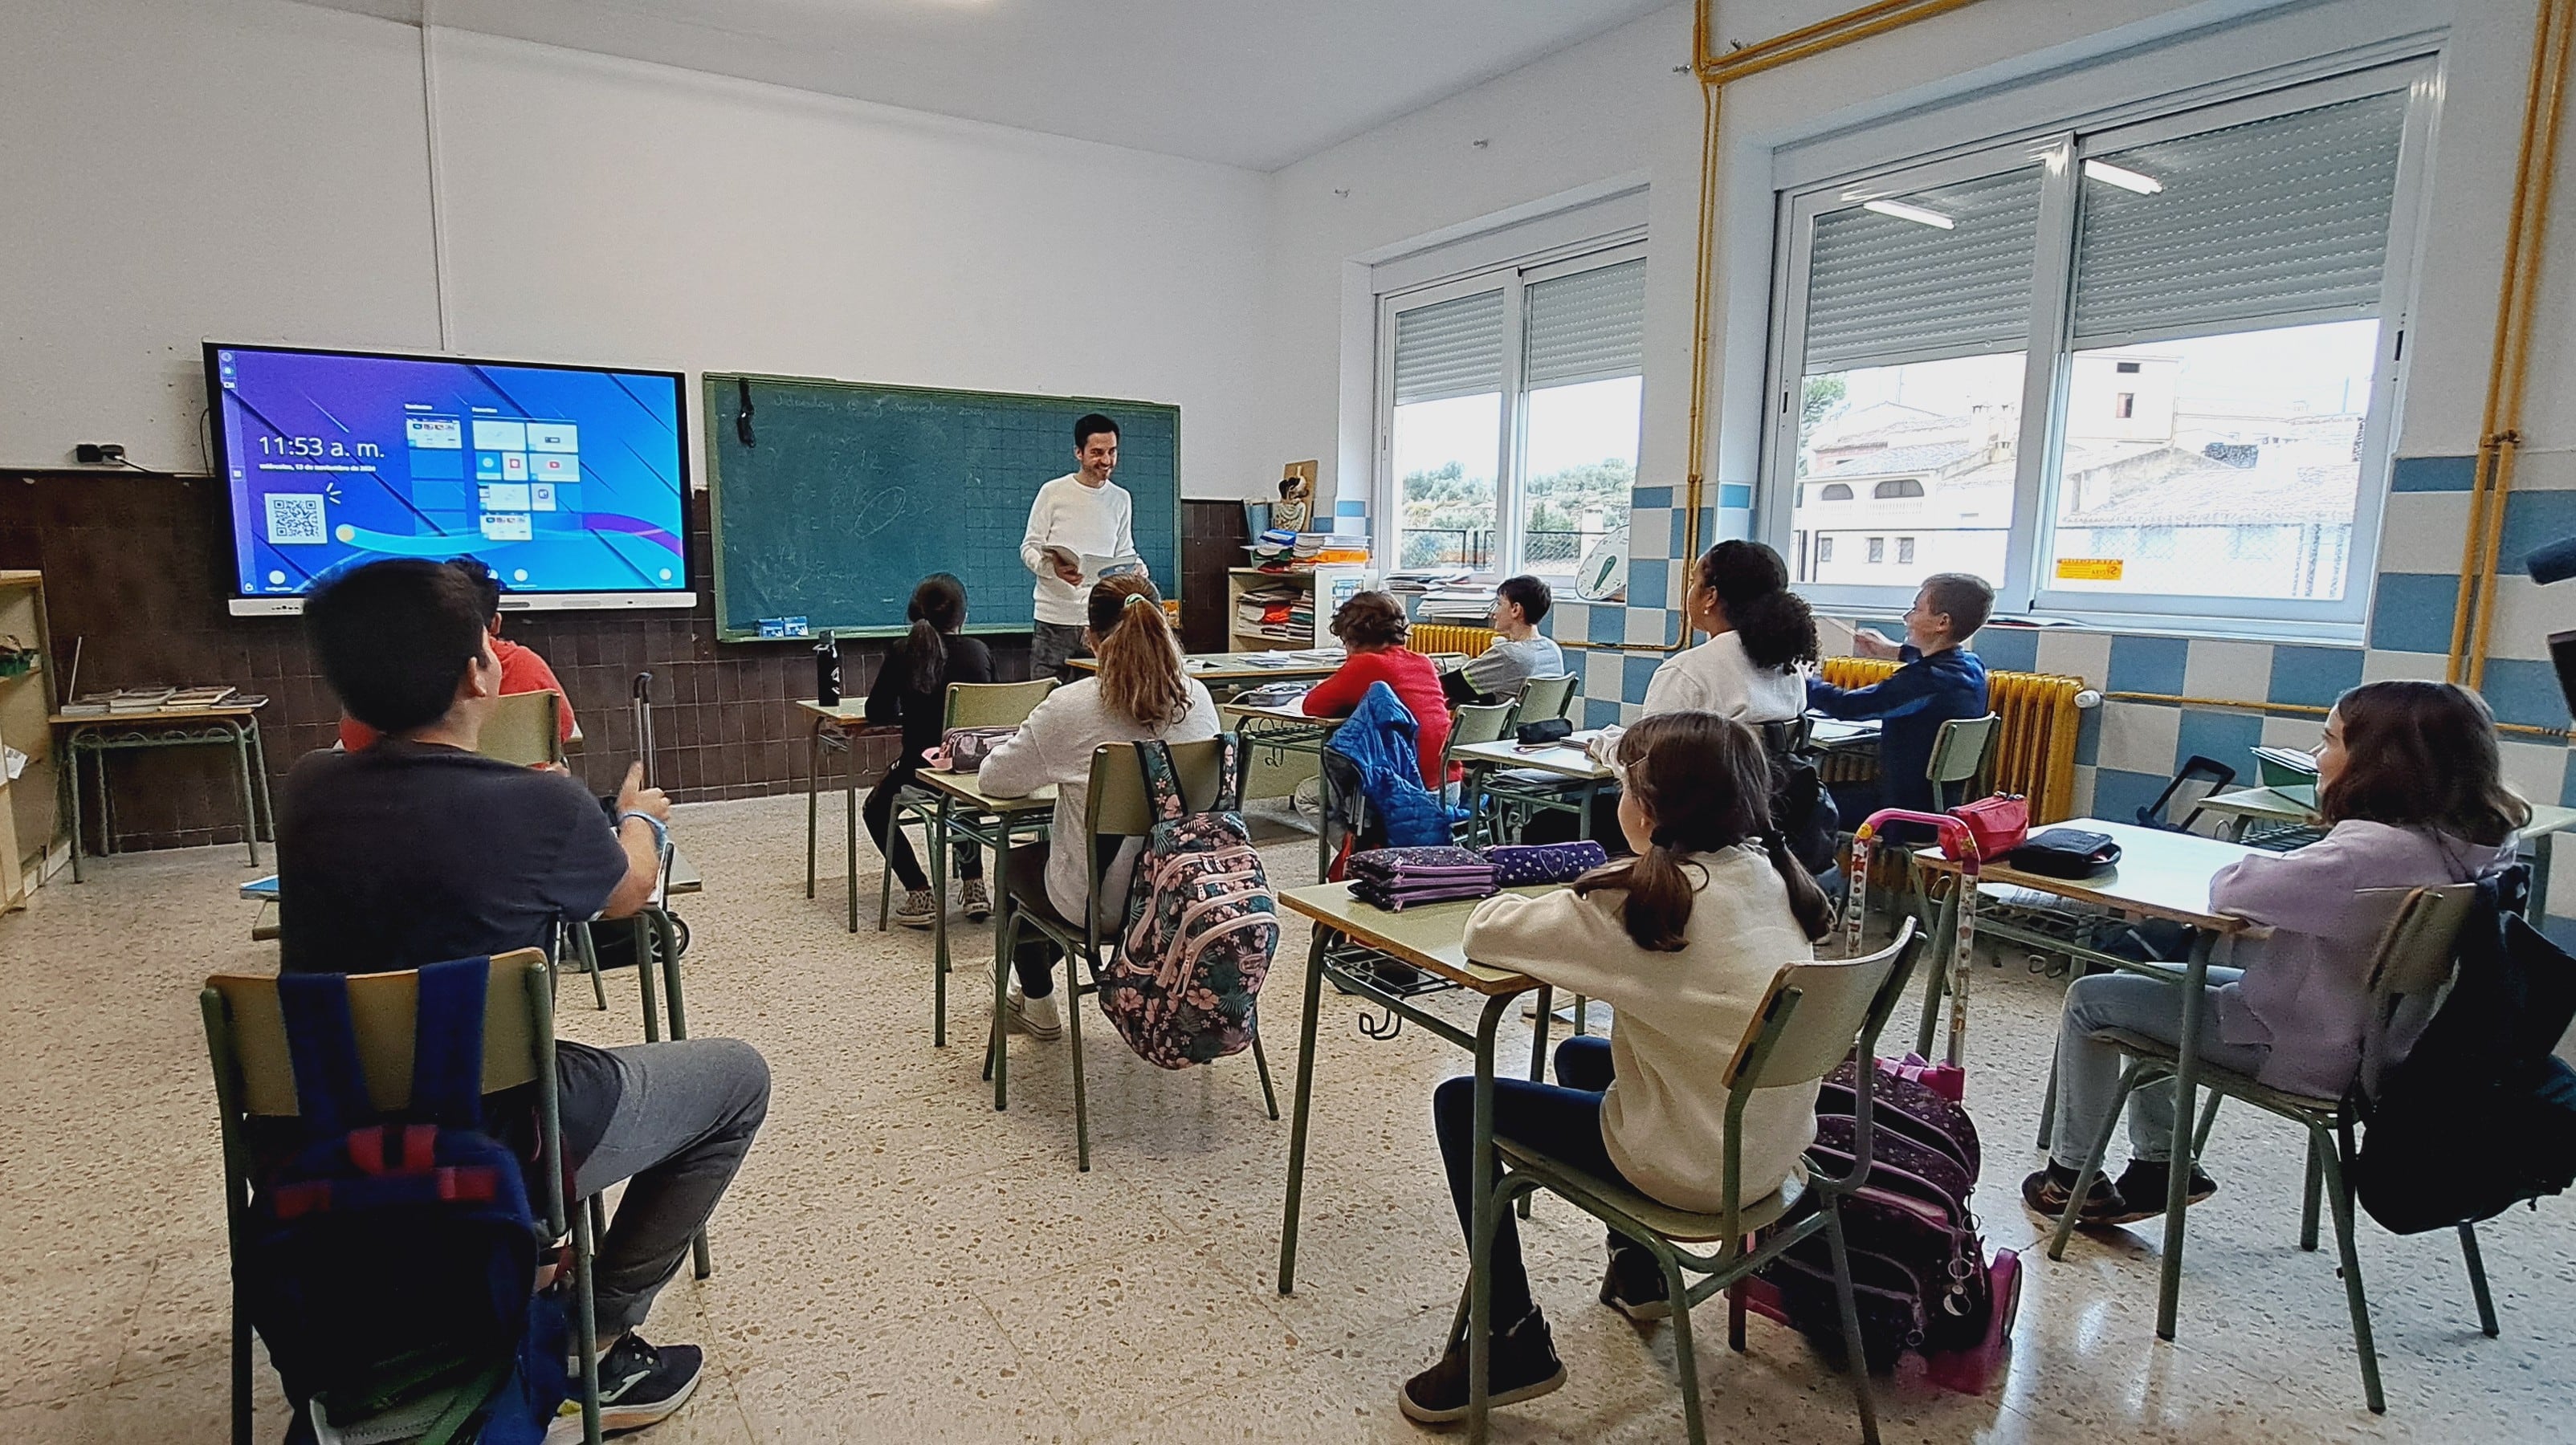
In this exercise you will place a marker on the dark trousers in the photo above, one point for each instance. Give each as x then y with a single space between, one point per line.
1562 1119
1025 886
879 813
685 1116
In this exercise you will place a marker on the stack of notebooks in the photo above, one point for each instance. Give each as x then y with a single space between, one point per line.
1425 579
1278 614
1272 550
1319 548
1399 878
1454 603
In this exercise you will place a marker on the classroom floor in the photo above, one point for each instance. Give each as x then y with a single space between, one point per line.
899 1262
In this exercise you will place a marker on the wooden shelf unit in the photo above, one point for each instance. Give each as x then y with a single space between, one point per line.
32 844
1337 580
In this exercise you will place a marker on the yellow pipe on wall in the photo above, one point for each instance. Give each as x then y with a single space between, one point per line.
2500 430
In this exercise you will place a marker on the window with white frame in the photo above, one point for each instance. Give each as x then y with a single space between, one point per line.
2145 367
1509 403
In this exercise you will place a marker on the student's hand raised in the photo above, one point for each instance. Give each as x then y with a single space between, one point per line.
1869 644
634 797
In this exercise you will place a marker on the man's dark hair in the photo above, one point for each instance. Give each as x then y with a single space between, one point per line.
1091 424
395 638
1967 599
1530 594
487 583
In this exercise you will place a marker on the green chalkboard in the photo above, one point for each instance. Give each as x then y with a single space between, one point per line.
848 494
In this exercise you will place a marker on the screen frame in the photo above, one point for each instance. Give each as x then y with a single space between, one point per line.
241 604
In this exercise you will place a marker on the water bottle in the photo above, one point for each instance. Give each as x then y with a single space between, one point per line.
827 671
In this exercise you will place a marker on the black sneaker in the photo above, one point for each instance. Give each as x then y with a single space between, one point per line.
639 1385
2143 1185
1634 1285
2046 1192
1524 1367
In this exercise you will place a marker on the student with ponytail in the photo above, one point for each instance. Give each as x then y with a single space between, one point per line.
1139 692
912 689
1760 634
1683 940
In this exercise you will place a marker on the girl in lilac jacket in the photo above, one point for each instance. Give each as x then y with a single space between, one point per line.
2408 776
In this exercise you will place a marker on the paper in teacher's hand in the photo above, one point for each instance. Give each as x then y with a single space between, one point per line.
1095 568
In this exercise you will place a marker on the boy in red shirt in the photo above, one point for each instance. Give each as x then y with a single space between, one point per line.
1374 629
521 669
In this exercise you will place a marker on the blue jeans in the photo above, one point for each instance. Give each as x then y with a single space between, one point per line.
2088 1069
1562 1119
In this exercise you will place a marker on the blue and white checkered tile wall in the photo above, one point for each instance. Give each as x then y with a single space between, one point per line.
2127 750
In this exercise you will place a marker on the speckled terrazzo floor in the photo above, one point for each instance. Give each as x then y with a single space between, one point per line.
898 1262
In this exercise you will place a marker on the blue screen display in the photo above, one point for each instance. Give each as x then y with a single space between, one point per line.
564 480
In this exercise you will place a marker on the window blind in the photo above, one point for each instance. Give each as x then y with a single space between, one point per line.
1449 348
1590 326
2274 222
1883 289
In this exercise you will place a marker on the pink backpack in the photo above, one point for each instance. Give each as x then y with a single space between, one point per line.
1202 925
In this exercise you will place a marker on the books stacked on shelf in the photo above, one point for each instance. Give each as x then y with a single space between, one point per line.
140 699
88 704
1455 603
1316 549
1273 549
1276 614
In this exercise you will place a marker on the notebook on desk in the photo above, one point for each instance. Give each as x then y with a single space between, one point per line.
2288 772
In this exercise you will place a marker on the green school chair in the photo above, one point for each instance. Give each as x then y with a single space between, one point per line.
2413 960
255 1079
1959 753
1116 811
1472 723
1814 1016
970 705
525 728
1543 698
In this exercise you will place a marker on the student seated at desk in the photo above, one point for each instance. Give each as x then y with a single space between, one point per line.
1139 692
418 850
912 689
1759 635
1519 652
2409 781
1940 680
521 669
1683 940
1374 630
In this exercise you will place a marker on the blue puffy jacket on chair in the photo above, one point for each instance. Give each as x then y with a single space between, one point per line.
1381 741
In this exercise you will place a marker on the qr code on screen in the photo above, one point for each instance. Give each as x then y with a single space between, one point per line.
295 518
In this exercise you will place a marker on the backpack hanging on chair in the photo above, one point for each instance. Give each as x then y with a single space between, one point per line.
390 1262
1202 923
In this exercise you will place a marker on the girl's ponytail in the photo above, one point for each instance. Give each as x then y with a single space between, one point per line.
938 609
1140 664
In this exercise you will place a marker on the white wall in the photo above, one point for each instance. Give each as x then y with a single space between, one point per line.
262 174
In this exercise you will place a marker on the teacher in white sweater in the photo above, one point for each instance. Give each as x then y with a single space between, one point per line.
1080 513
1683 940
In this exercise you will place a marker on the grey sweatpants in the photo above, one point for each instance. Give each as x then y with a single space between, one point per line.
686 1113
2088 1069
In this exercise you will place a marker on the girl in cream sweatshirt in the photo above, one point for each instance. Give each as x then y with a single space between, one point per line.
1683 940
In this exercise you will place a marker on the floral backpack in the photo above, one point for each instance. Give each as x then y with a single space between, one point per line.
1201 924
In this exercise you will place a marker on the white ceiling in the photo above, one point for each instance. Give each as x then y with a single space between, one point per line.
1256 83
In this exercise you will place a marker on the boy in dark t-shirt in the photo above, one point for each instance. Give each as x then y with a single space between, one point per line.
418 850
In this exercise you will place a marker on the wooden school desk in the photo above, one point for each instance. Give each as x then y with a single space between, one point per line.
98 734
1582 775
2161 875
1233 671
1284 728
2249 806
962 809
1350 938
834 729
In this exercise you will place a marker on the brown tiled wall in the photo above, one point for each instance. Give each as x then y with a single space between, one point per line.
137 565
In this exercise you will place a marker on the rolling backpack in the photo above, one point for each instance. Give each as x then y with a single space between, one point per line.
1202 924
390 1260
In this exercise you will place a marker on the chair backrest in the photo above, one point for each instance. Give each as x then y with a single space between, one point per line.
524 728
1547 697
1479 722
1959 750
2420 941
1118 805
381 1008
995 704
2193 781
1816 1013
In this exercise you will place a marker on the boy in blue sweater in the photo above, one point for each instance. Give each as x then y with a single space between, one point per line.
1940 680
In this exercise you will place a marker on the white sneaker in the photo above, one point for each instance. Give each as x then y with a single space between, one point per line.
919 909
1036 1017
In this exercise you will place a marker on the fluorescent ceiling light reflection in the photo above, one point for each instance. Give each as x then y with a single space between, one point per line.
1916 214
2127 180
